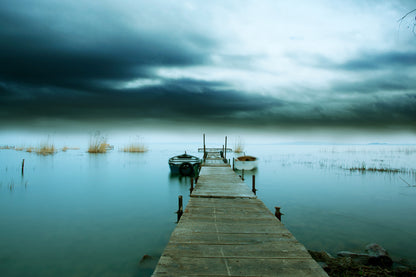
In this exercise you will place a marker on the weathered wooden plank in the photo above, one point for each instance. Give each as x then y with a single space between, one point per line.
283 249
230 228
220 266
186 236
221 182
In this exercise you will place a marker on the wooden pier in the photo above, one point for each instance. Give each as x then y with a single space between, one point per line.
226 231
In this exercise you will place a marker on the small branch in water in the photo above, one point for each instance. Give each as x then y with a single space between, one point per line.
407 182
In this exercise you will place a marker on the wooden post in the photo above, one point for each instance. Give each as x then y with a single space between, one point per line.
204 146
180 208
23 167
225 150
192 186
233 163
254 184
242 174
278 214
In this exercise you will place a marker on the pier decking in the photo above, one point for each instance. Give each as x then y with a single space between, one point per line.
226 231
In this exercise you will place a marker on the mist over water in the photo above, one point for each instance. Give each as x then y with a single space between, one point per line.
75 213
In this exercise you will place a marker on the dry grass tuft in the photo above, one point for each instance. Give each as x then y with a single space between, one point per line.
46 149
239 146
98 144
5 147
135 148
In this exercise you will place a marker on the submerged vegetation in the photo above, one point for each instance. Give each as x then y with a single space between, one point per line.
374 169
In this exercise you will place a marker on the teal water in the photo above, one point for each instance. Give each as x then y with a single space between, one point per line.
80 214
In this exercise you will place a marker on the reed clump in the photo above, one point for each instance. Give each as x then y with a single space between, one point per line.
45 149
239 146
6 147
98 145
135 148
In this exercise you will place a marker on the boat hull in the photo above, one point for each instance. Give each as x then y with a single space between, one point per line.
176 169
246 165
245 162
185 165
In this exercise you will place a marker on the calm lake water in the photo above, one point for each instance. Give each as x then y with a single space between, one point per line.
80 214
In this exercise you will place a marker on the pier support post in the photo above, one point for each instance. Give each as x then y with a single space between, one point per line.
254 184
278 214
242 174
23 167
225 148
192 186
180 208
204 147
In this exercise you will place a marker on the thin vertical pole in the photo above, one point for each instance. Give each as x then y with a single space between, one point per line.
204 145
242 174
225 152
23 167
192 186
254 184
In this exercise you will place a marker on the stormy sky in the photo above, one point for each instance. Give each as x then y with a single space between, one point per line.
250 64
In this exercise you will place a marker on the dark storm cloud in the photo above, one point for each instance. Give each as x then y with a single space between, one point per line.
389 112
192 102
37 53
95 62
185 99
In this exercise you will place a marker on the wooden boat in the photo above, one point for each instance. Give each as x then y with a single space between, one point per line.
245 162
185 165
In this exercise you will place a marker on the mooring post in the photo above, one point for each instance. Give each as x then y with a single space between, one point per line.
242 174
23 166
225 148
192 186
204 147
278 214
233 163
254 184
180 209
